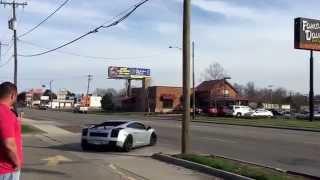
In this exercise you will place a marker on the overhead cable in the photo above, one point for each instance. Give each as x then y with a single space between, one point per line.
95 30
44 20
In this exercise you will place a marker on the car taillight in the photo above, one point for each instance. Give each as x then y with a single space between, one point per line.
115 132
85 132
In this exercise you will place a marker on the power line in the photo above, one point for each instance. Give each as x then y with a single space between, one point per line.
96 30
44 20
89 56
6 62
8 49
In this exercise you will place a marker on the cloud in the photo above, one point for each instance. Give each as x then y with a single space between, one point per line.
44 8
166 28
227 9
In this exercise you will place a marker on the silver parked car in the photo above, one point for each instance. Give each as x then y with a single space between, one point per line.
120 134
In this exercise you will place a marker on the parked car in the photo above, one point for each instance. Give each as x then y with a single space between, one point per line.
120 134
224 111
287 114
81 109
238 111
260 113
43 107
212 111
305 115
276 112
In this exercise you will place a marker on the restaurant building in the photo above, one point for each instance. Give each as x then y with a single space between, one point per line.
164 99
218 94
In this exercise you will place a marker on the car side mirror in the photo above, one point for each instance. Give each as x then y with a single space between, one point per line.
148 128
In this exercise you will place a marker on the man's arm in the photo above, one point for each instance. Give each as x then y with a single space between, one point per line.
11 149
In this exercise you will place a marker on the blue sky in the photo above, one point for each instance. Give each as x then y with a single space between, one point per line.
251 39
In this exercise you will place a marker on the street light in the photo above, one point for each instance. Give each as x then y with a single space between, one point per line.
175 47
51 98
271 99
193 79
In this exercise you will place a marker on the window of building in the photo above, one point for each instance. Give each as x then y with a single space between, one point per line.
167 104
226 93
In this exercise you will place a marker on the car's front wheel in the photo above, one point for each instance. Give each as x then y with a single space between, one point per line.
85 146
153 139
128 144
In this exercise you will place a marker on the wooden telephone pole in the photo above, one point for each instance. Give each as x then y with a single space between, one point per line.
12 26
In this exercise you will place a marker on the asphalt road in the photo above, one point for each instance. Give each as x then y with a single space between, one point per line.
286 149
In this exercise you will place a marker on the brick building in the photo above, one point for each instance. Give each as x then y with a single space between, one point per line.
157 99
218 93
164 98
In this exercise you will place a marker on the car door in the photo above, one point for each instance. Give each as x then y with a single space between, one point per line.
137 130
143 134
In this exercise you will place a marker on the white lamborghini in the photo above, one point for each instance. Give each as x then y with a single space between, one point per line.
120 134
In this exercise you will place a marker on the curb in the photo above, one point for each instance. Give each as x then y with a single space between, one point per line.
199 167
270 127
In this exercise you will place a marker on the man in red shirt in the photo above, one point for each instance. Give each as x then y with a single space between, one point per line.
10 134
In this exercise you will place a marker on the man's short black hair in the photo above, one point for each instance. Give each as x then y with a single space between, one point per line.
6 89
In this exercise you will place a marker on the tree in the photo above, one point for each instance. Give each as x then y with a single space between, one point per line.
213 72
21 99
250 91
102 92
240 89
107 102
49 93
279 96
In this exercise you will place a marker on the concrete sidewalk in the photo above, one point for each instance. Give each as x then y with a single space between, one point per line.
57 155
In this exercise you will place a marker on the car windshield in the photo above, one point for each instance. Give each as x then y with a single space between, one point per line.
111 123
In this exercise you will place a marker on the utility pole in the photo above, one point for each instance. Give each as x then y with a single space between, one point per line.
89 81
185 142
12 26
51 98
193 85
311 93
88 89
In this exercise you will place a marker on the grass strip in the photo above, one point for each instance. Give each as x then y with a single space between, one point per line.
247 170
269 122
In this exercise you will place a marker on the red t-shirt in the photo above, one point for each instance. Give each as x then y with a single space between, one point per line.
10 127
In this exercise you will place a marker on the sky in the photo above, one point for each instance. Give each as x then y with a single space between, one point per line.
251 39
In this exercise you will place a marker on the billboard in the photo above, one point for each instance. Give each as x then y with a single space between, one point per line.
307 34
115 72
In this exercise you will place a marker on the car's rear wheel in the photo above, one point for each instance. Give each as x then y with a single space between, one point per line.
128 144
238 115
153 139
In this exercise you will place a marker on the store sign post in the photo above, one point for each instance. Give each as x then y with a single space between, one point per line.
307 37
307 34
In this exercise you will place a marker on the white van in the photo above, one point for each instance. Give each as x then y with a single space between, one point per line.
239 111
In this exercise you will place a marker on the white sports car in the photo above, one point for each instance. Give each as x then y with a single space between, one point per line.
120 134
